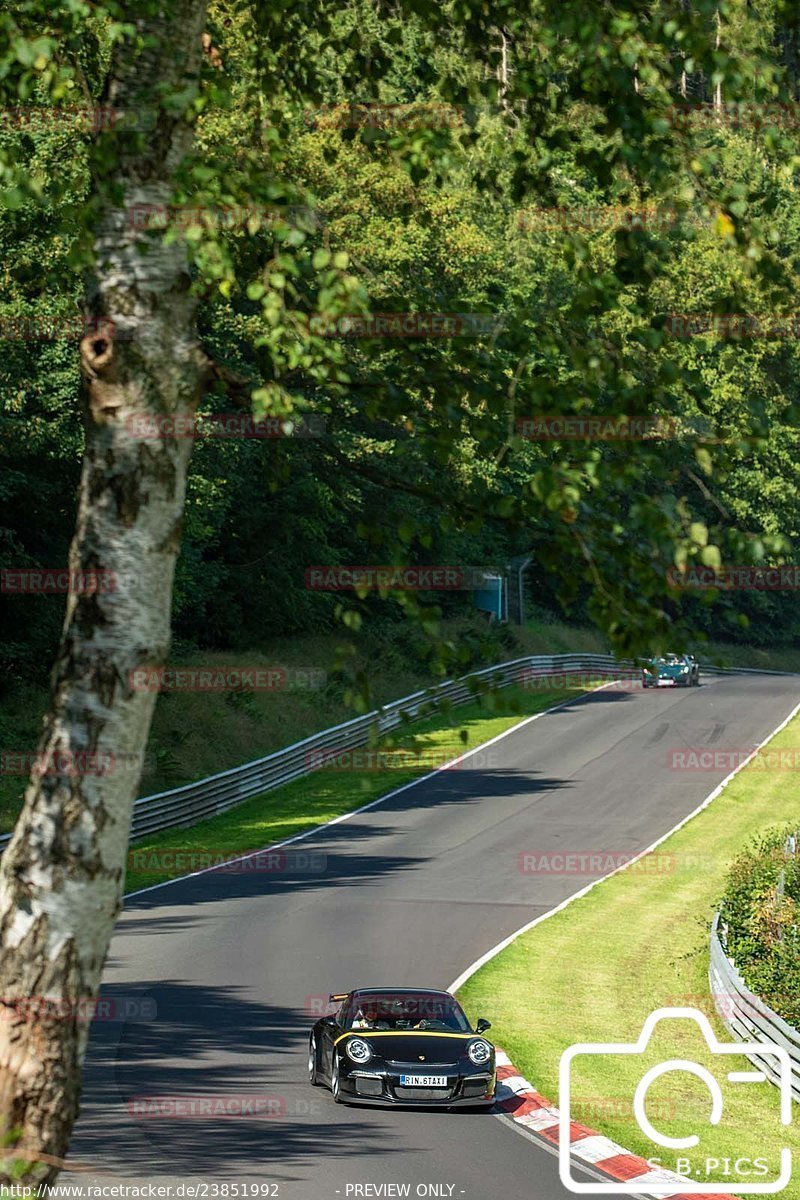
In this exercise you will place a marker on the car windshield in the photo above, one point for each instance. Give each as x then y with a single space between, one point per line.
405 1011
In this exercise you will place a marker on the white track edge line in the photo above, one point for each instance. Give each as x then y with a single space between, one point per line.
490 954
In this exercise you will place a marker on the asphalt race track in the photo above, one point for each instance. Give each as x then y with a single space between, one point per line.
413 891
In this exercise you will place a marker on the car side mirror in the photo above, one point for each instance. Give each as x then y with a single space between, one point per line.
483 1025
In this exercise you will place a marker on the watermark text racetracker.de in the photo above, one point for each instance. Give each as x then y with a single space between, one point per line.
718 758
733 325
736 114
78 1008
729 1004
594 428
595 218
55 581
185 860
46 327
538 677
80 118
593 1110
192 1107
226 679
399 760
348 578
241 217
594 862
319 1004
70 764
377 115
783 578
203 426
404 325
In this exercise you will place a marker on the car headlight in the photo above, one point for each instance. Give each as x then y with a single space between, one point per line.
480 1052
359 1050
684 670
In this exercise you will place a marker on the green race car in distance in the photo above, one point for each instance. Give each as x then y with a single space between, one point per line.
673 670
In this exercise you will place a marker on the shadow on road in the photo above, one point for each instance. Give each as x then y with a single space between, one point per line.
312 865
145 1083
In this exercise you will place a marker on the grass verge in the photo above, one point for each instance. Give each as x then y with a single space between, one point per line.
635 943
329 792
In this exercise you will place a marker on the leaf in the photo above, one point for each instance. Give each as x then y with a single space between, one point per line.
703 458
12 198
710 557
406 530
724 226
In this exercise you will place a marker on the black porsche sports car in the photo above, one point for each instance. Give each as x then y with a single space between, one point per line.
402 1046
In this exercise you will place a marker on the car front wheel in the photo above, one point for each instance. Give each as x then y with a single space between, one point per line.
336 1083
313 1075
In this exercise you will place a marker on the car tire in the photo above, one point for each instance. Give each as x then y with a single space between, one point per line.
313 1072
336 1083
696 681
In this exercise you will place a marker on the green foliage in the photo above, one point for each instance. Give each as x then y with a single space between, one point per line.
422 460
761 908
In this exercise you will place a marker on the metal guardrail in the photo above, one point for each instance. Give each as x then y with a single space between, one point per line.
184 806
746 1017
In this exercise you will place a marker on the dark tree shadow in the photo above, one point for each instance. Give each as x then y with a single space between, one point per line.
210 1043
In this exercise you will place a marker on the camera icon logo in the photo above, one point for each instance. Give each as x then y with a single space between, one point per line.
661 1183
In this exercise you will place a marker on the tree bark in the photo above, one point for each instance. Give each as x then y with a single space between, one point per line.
502 70
717 44
62 876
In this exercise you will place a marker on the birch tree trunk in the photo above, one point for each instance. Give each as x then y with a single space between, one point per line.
502 70
717 44
62 876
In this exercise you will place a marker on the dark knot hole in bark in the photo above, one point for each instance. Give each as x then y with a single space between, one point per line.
97 353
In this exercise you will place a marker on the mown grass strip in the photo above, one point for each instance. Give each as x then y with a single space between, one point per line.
330 792
636 943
